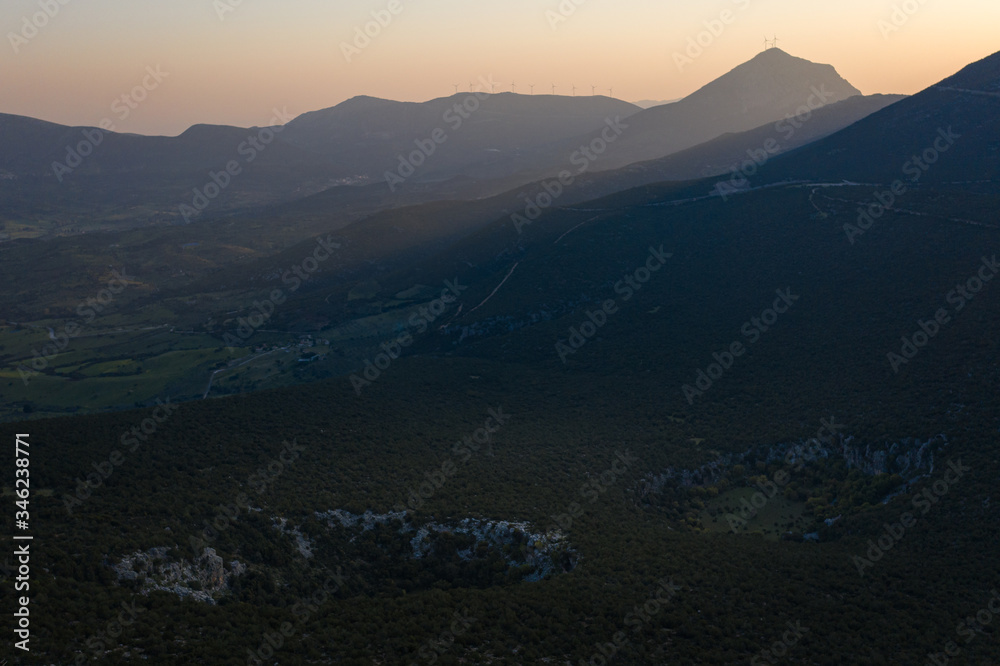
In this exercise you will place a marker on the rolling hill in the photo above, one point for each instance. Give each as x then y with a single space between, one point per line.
477 135
960 112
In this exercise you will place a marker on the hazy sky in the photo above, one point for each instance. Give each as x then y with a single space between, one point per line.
288 54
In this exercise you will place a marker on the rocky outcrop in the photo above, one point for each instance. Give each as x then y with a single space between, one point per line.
538 554
910 458
302 543
204 579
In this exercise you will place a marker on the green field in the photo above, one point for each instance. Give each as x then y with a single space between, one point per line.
777 516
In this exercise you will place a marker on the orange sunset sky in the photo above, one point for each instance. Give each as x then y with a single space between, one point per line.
233 61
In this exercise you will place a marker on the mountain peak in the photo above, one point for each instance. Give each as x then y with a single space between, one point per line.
770 86
776 55
773 52
774 77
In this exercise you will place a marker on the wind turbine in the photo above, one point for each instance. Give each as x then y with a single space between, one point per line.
553 89
775 42
456 88
513 87
574 91
470 86
611 92
532 86
593 89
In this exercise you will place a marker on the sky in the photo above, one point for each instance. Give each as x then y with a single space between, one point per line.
235 61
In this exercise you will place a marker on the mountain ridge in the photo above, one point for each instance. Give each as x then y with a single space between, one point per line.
771 86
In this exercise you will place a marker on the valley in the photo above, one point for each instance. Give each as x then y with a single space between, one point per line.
728 390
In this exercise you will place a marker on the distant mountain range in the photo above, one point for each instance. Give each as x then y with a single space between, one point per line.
470 134
532 135
767 88
283 198
794 226
630 316
358 140
866 141
732 152
467 145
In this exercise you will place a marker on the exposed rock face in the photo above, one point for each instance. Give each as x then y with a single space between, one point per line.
302 542
204 580
519 552
367 520
213 576
538 554
911 458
